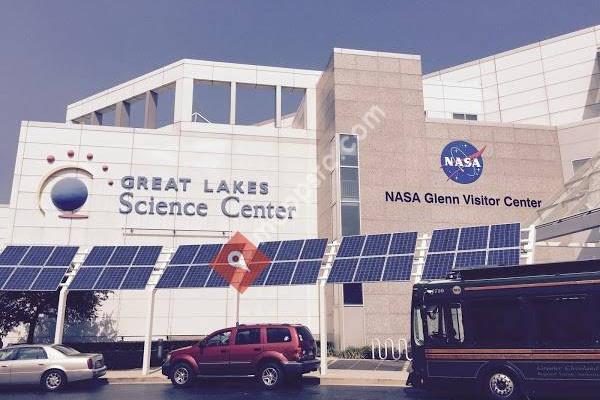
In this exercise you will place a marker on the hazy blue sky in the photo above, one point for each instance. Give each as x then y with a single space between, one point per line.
55 52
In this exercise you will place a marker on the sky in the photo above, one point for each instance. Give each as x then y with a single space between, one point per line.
53 53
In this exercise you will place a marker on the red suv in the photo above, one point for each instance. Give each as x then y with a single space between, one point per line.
270 352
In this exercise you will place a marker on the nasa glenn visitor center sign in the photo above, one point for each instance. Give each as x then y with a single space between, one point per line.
462 163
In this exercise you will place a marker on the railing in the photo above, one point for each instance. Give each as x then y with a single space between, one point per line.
383 355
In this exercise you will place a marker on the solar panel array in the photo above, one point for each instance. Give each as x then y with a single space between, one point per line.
116 268
374 258
475 246
190 268
294 262
34 268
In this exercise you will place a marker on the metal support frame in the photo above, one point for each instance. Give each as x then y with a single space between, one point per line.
60 316
322 282
148 336
530 245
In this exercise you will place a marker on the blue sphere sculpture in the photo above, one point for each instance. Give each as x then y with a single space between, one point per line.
69 194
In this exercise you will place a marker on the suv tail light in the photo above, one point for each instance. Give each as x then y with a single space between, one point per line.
90 363
297 354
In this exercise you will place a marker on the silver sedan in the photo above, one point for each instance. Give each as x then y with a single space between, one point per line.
51 366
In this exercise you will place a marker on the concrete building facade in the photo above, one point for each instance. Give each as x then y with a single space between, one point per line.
360 152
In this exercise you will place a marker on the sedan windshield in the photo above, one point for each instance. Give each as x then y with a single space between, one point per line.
67 351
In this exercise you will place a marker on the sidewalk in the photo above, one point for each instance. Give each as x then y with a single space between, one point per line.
354 373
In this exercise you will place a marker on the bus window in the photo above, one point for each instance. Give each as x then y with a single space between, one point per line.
565 321
498 322
418 327
456 333
436 328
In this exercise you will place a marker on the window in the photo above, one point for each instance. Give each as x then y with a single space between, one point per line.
7 354
498 322
31 353
304 334
350 219
436 328
468 117
353 295
418 327
349 186
564 321
456 333
348 151
278 335
248 336
577 164
220 339
67 351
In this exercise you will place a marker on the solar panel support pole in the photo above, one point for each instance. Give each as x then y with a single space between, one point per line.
148 335
530 246
60 316
322 306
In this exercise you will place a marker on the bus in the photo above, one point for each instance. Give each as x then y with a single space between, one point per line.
508 332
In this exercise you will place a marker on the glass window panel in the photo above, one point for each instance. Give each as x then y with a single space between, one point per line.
348 150
350 219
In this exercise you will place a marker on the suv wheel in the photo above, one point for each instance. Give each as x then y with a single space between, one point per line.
53 380
270 375
502 385
182 375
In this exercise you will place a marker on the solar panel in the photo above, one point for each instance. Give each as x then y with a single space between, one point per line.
172 277
351 246
505 235
398 268
216 280
5 273
85 278
403 243
343 270
438 265
470 258
123 255
443 240
22 279
281 274
289 250
376 245
111 278
473 237
507 257
269 249
262 277
12 255
37 255
369 269
49 279
307 272
99 255
147 255
314 249
184 255
137 278
207 253
62 256
196 276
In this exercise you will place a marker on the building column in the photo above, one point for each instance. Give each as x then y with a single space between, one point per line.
232 102
150 105
311 108
184 99
122 113
277 106
95 118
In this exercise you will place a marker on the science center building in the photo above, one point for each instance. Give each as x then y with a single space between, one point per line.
197 150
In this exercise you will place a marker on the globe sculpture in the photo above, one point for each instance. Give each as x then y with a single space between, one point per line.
69 194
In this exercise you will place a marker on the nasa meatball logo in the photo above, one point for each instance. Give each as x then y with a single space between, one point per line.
462 162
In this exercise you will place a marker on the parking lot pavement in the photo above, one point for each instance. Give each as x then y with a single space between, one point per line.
223 390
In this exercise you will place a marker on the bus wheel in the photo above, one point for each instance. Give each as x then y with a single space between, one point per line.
502 385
